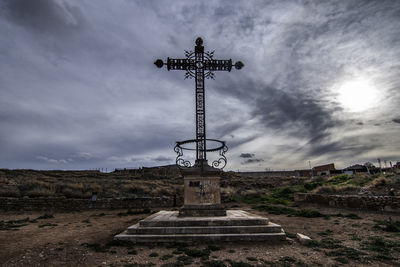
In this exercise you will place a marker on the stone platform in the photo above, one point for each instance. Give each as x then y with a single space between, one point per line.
237 225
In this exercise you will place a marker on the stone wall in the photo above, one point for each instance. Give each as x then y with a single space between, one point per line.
70 204
388 203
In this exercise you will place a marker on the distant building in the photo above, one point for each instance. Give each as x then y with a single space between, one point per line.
326 169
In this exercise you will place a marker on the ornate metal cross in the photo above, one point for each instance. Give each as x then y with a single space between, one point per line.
200 65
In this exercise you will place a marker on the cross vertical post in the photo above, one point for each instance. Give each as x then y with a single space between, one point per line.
200 65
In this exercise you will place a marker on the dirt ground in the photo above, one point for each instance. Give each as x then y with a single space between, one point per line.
81 238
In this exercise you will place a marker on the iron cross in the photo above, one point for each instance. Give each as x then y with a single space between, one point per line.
199 65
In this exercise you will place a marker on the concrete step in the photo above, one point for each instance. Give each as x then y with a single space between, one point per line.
195 238
233 218
268 228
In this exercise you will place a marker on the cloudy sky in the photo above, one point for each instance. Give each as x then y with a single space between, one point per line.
78 88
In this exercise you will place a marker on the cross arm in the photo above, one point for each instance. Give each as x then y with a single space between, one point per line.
177 64
221 65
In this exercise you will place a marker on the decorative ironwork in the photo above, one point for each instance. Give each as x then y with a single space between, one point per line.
199 65
219 163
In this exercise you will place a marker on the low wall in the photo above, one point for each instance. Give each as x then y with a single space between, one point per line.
70 204
388 203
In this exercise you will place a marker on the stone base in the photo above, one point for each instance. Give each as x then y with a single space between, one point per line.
237 225
202 211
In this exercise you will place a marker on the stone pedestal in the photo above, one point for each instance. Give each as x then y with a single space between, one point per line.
202 194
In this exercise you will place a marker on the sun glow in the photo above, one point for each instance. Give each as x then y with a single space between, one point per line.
357 95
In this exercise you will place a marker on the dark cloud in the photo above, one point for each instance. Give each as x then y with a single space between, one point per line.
47 16
295 110
249 161
397 120
246 155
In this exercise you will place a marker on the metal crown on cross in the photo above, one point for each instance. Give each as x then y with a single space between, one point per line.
200 65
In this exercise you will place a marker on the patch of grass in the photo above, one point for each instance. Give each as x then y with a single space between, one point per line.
186 260
251 259
177 252
355 237
346 252
326 232
13 224
197 253
339 179
45 216
135 212
213 248
328 243
352 216
153 254
387 225
132 252
287 259
290 235
342 260
289 211
380 245
231 251
166 257
86 221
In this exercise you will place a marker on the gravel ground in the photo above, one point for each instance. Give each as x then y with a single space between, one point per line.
81 238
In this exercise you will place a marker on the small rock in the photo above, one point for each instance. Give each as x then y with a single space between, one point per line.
303 239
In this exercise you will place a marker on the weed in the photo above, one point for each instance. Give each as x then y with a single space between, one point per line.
186 260
290 235
231 251
197 253
353 216
132 252
339 179
347 252
287 259
153 255
251 259
326 232
328 243
213 248
177 252
378 244
86 221
355 237
166 257
45 216
387 225
13 224
342 260
312 185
